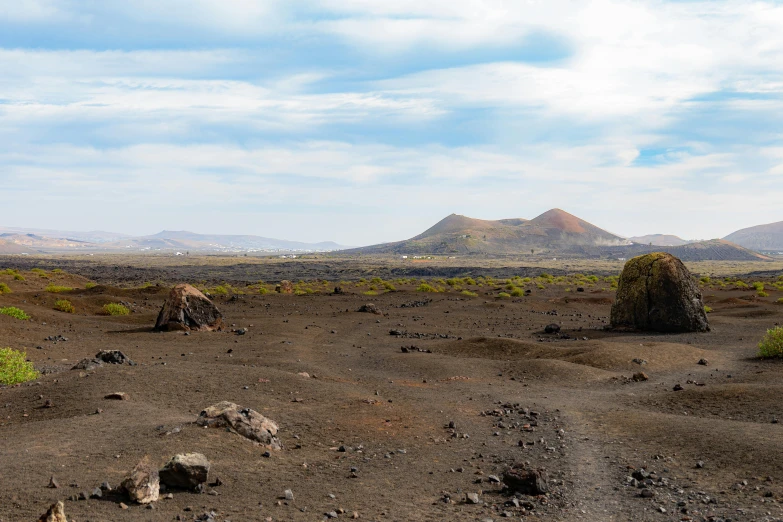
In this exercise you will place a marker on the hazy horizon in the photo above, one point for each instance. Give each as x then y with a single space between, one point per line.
363 122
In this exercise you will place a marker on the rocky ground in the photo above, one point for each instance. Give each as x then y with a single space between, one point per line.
415 413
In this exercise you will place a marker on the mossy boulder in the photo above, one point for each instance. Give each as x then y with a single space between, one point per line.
656 292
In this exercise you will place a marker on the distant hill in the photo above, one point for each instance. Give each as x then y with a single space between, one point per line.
12 241
767 238
8 247
184 240
659 240
556 233
456 234
94 236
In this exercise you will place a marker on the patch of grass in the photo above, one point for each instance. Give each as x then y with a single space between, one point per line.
771 345
504 295
780 301
18 277
468 293
219 290
426 287
4 289
41 272
90 285
758 286
14 312
370 292
8 271
58 271
63 305
262 290
517 292
389 287
299 291
741 285
56 289
14 368
763 294
115 309
707 310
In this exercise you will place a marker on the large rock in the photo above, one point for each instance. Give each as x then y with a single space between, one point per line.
656 292
188 309
143 484
56 513
522 479
244 421
185 471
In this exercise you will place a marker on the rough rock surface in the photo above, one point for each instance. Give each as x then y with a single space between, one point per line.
285 287
244 421
104 356
656 292
185 471
188 309
525 480
143 484
56 513
369 308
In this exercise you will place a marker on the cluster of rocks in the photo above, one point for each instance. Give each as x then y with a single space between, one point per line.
416 304
103 357
285 287
418 335
411 349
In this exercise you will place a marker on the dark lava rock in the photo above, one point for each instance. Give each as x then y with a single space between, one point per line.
525 480
656 292
188 309
552 328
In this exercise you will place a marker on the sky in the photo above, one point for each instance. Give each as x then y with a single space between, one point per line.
366 121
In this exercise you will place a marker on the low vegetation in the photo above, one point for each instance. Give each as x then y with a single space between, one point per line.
56 289
16 313
115 309
90 285
4 289
63 305
771 345
14 368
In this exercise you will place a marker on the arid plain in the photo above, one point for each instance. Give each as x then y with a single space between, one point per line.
398 416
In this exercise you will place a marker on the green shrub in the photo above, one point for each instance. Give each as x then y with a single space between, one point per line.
771 345
705 280
40 272
14 312
14 367
90 285
518 292
8 271
780 301
299 291
468 293
219 290
115 309
388 286
63 305
425 287
469 281
56 289
707 310
18 277
370 292
262 290
741 285
758 286
763 294
504 295
4 289
58 271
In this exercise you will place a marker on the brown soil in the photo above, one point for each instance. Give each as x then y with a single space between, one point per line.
490 359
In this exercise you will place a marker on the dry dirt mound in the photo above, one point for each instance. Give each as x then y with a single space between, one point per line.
604 355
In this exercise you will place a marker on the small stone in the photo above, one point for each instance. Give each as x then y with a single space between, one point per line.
703 362
700 464
53 483
678 387
640 377
288 494
472 498
117 396
123 505
56 513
